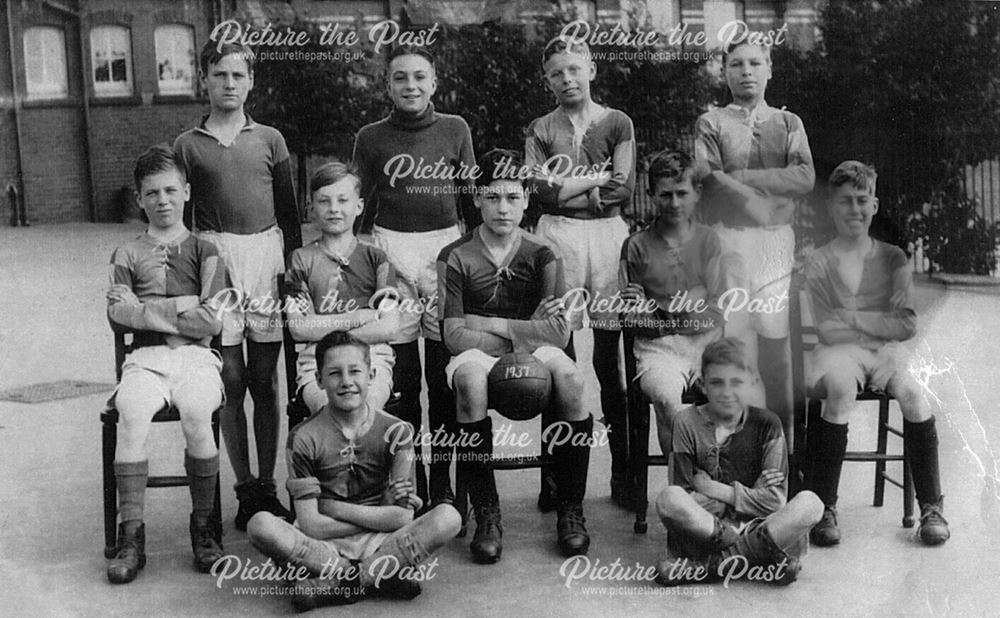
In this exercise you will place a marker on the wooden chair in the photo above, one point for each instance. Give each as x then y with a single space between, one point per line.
109 444
807 405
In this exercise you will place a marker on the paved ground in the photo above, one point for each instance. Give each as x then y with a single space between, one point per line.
51 562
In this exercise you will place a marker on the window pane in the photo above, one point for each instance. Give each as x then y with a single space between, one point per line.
45 62
175 58
111 56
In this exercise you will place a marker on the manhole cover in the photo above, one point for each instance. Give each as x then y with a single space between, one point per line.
50 391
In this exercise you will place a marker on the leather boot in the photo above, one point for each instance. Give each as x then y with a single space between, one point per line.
571 462
131 556
205 542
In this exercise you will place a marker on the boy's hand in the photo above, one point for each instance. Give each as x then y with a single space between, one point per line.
549 307
367 316
899 300
594 200
395 491
634 292
121 293
769 477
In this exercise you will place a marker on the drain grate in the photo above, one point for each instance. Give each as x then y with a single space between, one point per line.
50 391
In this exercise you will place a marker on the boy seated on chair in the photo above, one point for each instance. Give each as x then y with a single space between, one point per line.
500 292
351 475
163 289
725 510
336 284
861 300
672 262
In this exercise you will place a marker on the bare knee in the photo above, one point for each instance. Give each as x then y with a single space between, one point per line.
263 528
445 522
905 389
672 502
807 507
841 393
470 384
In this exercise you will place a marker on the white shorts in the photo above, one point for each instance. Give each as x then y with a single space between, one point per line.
379 390
868 368
759 260
590 250
414 256
173 368
484 360
253 263
668 365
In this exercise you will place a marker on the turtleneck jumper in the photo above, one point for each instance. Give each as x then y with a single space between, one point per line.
416 171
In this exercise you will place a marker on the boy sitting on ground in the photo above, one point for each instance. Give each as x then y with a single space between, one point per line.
726 505
351 476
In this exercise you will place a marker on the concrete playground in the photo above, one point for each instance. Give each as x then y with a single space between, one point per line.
53 327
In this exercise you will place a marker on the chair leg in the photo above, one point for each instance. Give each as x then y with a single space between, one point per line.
109 444
883 432
908 491
462 504
638 425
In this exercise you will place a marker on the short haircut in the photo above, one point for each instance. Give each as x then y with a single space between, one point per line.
499 164
859 175
731 47
331 173
675 165
410 50
564 45
725 351
339 339
213 52
156 159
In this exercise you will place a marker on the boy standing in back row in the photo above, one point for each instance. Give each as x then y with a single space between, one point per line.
243 201
760 164
415 216
582 216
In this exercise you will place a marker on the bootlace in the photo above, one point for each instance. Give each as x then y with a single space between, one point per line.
931 515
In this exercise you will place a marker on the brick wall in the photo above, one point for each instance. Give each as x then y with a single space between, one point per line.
120 133
55 170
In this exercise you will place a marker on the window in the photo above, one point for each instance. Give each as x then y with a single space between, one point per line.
111 58
175 59
45 62
718 13
663 15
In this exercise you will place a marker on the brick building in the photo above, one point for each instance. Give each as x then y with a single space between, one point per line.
86 85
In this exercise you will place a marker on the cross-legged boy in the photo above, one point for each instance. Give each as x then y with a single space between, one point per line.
351 476
760 165
164 287
337 283
674 261
861 300
243 201
500 290
582 215
725 510
415 215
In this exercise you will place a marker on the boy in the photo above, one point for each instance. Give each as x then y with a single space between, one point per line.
581 213
415 216
164 287
331 284
725 507
351 475
860 289
243 202
760 165
500 291
673 258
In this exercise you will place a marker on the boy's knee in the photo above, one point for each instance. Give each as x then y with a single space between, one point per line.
807 506
568 378
840 384
669 502
198 399
446 521
470 382
262 528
